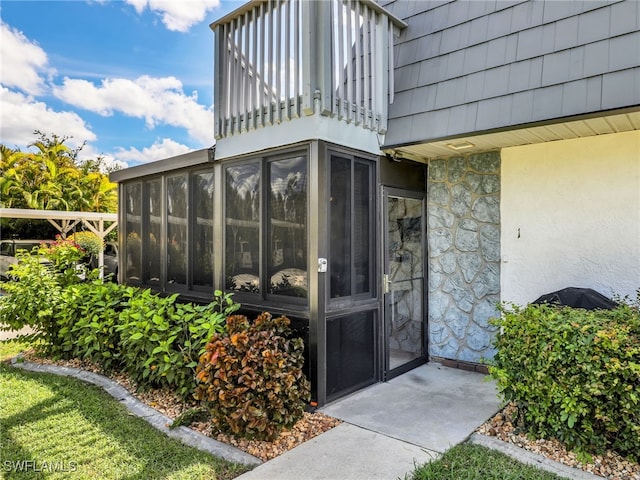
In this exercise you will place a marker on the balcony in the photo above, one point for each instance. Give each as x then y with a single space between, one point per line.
279 61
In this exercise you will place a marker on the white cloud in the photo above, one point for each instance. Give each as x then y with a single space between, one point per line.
176 15
160 149
109 162
20 115
22 62
160 101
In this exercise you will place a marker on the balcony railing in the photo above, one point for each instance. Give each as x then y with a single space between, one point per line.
277 60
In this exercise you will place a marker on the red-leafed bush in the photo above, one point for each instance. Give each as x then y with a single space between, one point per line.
251 379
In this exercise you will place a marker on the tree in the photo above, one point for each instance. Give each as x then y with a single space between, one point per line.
51 177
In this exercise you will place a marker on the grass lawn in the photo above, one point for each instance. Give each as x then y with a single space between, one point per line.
474 462
9 349
67 429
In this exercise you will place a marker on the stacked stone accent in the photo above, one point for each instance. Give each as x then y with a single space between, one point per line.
464 255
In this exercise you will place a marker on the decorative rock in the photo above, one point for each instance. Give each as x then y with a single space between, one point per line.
486 209
483 184
487 281
437 332
440 241
461 199
439 194
464 255
484 311
438 305
435 280
437 170
467 355
485 162
456 169
467 239
448 261
439 217
470 264
477 339
459 290
490 243
449 349
456 321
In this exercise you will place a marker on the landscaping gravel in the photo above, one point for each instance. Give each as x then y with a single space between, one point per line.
610 465
168 403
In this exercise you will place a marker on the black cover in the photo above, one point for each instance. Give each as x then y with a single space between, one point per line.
578 298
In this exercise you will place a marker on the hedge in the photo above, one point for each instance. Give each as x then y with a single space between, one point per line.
573 374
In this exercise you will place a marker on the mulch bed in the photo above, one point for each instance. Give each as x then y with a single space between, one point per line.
168 403
610 465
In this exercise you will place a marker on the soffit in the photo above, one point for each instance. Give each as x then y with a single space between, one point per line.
585 127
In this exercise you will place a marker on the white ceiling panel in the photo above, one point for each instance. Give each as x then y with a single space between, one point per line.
622 122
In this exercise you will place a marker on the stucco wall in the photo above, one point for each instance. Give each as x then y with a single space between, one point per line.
570 216
464 255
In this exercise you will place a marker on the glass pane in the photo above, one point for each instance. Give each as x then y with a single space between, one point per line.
177 230
405 269
362 235
340 218
203 230
242 228
404 238
133 231
152 246
405 336
287 243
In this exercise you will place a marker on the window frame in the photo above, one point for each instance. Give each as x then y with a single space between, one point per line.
337 303
263 295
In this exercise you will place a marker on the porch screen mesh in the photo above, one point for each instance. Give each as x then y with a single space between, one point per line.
350 353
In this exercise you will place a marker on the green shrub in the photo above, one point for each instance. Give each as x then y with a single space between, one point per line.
88 241
573 374
32 299
161 340
88 322
35 295
66 257
251 379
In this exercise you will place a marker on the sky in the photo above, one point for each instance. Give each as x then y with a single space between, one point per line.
131 78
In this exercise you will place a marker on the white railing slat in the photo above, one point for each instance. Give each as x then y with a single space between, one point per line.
269 65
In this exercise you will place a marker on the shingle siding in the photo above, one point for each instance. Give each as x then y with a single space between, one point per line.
510 62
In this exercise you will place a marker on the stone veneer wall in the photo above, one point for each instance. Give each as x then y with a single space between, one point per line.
464 255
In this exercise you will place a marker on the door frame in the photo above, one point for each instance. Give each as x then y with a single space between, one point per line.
386 372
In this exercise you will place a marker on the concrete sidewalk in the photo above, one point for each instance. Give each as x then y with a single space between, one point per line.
390 427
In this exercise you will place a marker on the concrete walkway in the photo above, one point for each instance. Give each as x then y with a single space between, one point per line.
390 427
9 334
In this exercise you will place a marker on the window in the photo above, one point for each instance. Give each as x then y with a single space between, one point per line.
351 227
242 228
267 256
153 195
177 230
287 237
202 247
133 230
168 230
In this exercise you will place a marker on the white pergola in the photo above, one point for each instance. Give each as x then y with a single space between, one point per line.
65 221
